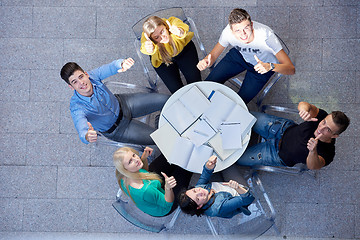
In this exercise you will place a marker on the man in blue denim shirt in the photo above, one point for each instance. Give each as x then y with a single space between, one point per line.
95 108
215 199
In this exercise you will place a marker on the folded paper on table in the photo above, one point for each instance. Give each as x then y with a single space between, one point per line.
231 135
200 132
165 138
188 156
179 150
186 110
223 154
247 119
219 109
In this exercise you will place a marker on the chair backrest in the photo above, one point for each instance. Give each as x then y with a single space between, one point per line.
128 210
262 216
102 140
163 13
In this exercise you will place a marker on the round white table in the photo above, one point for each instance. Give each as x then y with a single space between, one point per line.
207 87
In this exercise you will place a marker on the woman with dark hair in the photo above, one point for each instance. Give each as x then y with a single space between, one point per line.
215 199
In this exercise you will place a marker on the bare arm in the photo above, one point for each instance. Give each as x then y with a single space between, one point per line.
147 152
313 160
285 66
307 111
170 183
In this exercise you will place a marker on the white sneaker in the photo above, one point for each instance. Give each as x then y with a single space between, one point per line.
255 212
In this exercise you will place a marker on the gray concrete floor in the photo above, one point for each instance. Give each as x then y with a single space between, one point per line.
52 186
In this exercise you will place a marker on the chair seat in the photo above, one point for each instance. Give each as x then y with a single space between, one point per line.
128 210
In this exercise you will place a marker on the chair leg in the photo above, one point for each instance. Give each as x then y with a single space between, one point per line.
173 219
211 226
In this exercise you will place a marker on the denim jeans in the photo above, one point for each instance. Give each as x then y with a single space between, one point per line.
231 65
271 128
136 105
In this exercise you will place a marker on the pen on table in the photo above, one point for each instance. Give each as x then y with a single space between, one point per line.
231 123
201 133
211 94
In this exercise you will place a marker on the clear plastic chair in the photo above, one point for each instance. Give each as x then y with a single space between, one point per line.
298 168
262 216
164 13
128 210
274 78
102 140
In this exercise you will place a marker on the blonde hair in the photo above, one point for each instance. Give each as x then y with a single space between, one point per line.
122 173
149 27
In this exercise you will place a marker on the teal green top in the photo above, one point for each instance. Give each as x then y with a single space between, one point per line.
150 198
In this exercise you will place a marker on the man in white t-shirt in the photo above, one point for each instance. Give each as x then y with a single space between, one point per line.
256 49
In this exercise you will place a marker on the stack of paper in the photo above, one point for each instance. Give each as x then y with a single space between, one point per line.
186 110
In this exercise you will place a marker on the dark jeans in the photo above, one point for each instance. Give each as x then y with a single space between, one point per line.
182 177
231 65
136 105
185 62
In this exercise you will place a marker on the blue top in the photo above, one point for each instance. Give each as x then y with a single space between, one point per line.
100 109
223 204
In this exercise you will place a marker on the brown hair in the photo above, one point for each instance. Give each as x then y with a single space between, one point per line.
341 120
238 15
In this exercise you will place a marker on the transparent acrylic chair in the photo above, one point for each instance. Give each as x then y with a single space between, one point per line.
262 216
128 210
274 79
298 168
164 13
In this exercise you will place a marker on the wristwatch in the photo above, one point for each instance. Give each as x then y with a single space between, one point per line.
272 66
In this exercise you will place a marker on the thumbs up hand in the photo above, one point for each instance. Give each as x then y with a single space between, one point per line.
149 45
174 29
205 63
261 67
91 135
170 182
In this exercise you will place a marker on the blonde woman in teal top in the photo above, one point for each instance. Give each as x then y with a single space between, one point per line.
144 184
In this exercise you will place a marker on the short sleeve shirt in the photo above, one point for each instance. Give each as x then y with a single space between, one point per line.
265 44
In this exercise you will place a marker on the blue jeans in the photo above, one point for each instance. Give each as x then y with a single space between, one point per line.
231 65
136 105
271 128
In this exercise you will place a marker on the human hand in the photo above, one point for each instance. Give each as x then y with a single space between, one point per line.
237 186
91 135
305 115
147 152
170 182
210 164
313 142
149 45
261 67
174 29
126 64
205 63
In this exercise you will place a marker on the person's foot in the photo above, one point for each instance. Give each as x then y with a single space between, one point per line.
254 213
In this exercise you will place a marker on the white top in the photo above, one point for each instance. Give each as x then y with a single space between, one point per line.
218 187
265 44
